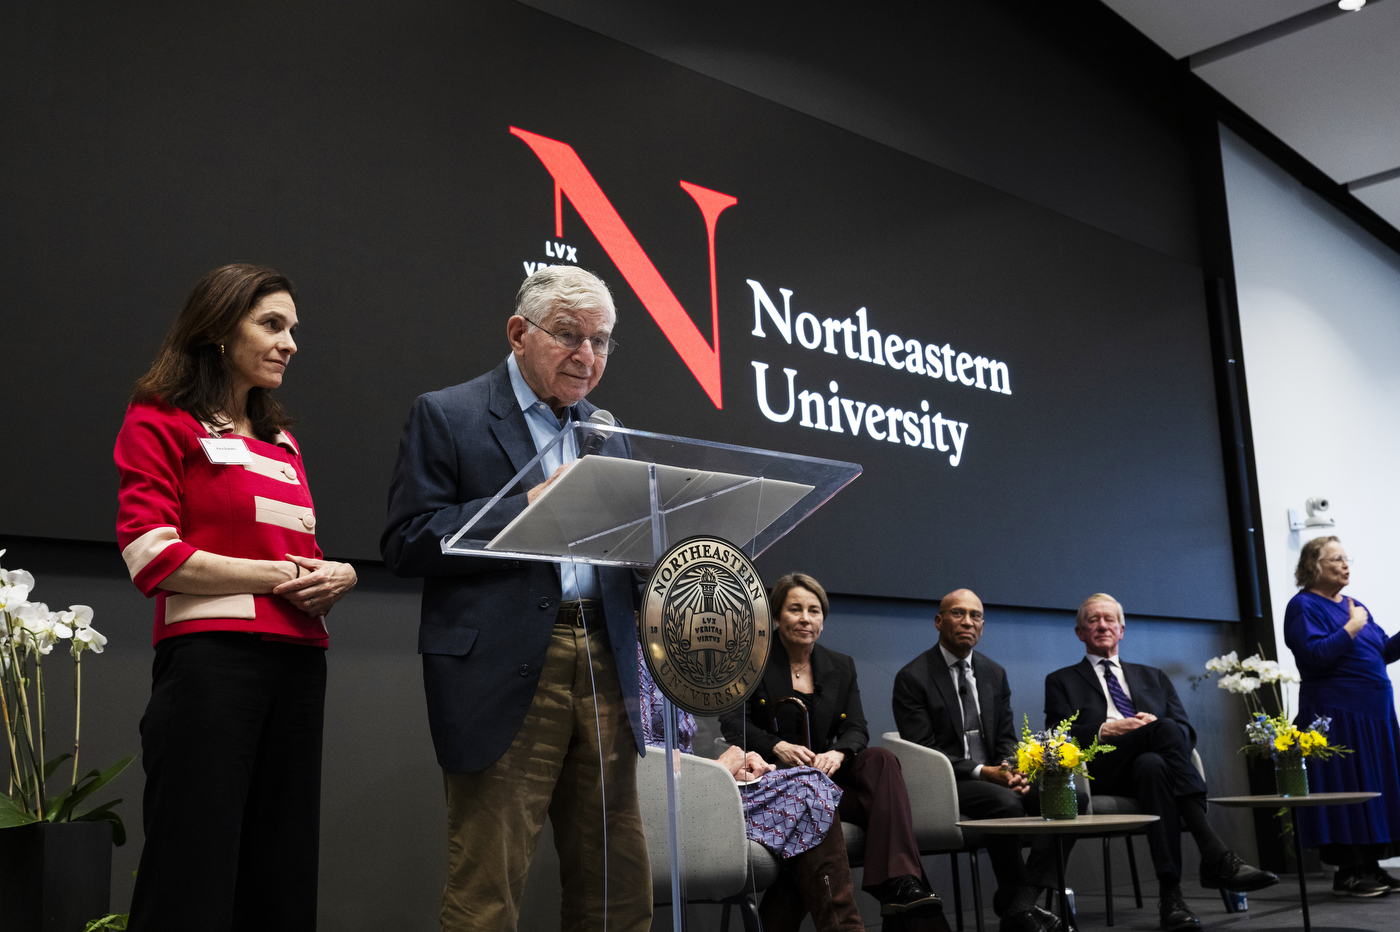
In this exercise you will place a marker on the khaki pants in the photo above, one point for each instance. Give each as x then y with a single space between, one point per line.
494 817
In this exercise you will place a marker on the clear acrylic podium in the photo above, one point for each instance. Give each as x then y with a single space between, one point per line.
626 504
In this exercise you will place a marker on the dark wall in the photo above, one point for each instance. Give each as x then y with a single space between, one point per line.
1061 104
369 153
1050 103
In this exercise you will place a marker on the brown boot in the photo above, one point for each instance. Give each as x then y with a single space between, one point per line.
823 877
782 909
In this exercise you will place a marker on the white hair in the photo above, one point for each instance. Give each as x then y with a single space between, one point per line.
1097 597
563 287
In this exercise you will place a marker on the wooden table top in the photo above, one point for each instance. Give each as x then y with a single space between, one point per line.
1035 825
1312 799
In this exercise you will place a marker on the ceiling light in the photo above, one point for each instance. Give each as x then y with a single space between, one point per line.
1351 5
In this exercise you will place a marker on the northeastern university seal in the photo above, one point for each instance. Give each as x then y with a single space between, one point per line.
705 625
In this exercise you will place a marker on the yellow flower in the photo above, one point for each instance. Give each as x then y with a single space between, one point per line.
1310 741
1069 755
1283 742
1029 756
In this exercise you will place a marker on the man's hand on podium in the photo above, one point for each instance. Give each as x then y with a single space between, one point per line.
538 490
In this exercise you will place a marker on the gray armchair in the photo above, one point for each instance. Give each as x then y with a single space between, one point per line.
720 864
933 801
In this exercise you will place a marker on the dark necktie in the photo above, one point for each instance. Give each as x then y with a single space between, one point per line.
1115 689
972 726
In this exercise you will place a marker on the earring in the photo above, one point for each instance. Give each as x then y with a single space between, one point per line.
221 349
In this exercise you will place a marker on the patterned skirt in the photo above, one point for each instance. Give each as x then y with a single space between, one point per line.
790 811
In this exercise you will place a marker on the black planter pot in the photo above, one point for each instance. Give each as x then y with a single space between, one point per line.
54 877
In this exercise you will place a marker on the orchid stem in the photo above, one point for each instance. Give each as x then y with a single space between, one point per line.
40 766
9 733
77 709
23 705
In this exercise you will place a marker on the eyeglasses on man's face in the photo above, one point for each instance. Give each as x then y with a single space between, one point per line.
569 339
958 614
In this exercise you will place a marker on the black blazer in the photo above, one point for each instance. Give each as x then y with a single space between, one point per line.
927 709
835 714
485 624
1077 688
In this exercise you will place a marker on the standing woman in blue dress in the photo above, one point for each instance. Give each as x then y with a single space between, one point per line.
1342 655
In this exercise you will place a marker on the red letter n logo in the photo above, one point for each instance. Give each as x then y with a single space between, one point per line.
571 178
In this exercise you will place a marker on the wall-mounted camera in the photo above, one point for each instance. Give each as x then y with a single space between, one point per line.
1314 506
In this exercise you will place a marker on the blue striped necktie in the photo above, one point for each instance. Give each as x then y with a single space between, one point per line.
1115 689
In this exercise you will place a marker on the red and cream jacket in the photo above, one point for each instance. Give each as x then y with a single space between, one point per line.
174 501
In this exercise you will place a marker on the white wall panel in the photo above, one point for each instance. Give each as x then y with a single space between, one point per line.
1320 317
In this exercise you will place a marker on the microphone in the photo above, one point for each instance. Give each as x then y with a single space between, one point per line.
596 438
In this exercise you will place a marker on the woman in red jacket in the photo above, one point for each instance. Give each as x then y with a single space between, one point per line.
215 520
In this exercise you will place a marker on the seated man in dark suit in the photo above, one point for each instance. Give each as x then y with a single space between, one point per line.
1136 709
955 700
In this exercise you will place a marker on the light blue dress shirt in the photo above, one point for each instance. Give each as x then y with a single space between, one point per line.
578 580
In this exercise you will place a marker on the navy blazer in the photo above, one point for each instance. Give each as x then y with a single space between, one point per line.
1077 689
835 714
485 624
928 710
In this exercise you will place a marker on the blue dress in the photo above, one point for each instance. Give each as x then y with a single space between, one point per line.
1346 679
787 811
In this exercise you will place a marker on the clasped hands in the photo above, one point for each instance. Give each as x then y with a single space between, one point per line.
744 767
1121 726
1004 774
319 584
828 762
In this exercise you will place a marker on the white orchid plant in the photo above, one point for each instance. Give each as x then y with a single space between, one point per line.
29 632
1273 736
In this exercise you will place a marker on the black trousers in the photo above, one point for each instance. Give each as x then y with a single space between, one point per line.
978 799
875 798
1152 764
231 746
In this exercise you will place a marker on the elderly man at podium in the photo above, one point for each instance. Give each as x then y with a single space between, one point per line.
530 668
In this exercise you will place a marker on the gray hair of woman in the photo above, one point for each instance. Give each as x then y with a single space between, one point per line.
1309 569
563 287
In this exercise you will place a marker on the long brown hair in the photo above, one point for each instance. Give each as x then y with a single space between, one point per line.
192 373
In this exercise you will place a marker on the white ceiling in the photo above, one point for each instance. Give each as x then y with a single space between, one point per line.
1185 27
1324 81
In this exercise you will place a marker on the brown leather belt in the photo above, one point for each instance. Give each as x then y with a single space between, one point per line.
581 613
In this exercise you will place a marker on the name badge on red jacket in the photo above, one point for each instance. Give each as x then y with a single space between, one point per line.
226 451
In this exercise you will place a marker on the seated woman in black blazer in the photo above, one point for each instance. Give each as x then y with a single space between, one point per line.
873 792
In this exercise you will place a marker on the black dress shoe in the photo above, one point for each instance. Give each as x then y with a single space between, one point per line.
906 895
1175 916
1231 873
1049 921
1025 920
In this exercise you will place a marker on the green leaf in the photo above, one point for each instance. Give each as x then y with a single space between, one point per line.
12 815
52 765
116 922
103 813
60 808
